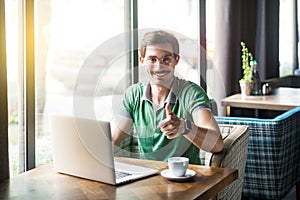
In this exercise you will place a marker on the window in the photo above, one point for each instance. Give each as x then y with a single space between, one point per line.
77 56
69 35
16 111
288 41
66 34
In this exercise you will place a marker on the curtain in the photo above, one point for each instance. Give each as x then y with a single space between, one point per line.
257 24
4 165
267 40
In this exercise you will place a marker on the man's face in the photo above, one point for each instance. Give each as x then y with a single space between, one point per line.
160 63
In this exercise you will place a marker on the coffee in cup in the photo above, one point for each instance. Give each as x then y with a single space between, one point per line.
178 165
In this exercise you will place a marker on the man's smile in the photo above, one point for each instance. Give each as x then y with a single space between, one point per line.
160 73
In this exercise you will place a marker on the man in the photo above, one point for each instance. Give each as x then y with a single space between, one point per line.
171 116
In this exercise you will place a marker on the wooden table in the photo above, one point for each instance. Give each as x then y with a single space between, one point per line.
281 99
44 183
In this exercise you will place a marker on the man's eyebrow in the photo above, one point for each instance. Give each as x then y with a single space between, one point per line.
168 54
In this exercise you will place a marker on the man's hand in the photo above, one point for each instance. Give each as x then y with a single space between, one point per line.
172 126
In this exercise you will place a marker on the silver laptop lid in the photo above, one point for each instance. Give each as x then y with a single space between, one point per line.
82 147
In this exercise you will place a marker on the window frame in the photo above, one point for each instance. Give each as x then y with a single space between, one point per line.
4 156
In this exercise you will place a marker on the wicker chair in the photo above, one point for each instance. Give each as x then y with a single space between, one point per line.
234 156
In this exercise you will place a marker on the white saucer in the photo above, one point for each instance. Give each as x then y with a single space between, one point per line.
169 175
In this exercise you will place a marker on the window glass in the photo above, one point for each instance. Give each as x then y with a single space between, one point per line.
14 63
286 37
69 36
71 62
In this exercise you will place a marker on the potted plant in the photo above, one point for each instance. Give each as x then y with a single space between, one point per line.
247 79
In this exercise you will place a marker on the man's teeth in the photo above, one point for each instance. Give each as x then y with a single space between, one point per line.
161 72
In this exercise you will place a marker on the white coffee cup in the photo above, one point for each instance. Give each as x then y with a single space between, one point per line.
178 165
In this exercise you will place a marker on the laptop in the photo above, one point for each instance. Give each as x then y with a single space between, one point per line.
82 147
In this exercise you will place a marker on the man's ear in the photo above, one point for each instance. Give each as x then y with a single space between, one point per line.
142 60
177 58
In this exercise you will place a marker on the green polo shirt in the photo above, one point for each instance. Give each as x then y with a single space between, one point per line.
184 97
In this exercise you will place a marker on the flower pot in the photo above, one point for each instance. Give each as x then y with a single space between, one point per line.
246 88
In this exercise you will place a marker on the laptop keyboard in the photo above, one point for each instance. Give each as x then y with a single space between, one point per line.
120 174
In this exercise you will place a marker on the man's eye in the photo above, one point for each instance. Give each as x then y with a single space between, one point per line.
167 59
153 60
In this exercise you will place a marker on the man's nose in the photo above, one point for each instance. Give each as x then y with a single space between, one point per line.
158 64
160 61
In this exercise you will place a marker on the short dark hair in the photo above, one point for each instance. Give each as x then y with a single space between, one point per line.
159 37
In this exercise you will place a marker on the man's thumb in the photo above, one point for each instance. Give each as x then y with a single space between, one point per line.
168 109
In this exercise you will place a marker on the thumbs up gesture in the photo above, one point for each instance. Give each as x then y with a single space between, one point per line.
171 126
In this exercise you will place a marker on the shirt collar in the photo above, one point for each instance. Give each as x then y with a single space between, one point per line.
172 96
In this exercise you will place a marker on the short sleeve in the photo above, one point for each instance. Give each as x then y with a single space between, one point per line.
130 100
194 97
